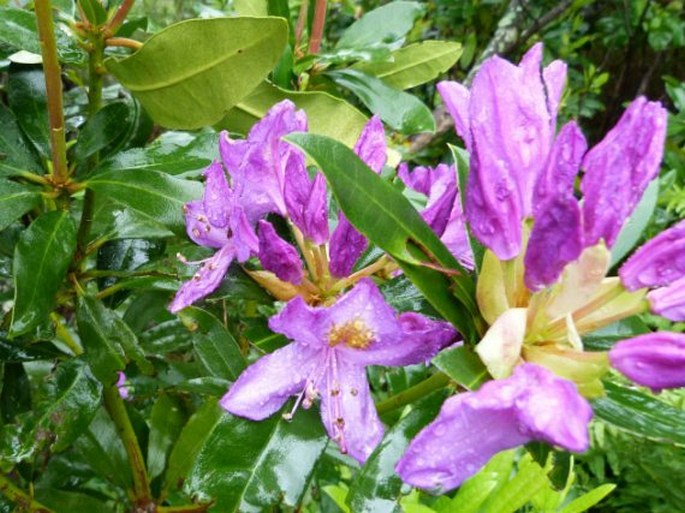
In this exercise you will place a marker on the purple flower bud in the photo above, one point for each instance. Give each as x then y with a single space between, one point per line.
371 146
658 262
619 168
277 256
306 200
654 360
669 301
346 246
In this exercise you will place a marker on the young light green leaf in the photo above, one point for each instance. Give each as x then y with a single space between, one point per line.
229 57
153 194
401 111
636 224
41 259
326 114
585 502
388 219
414 64
386 25
640 414
15 201
529 479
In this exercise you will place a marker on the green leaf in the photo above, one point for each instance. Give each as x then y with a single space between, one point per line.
251 7
173 153
28 100
94 11
155 195
326 114
385 25
414 64
100 337
403 296
585 502
376 486
15 201
463 366
41 259
387 218
640 414
185 85
72 399
112 220
109 127
60 500
401 111
250 466
15 154
18 29
529 479
213 344
637 222
166 422
603 339
15 396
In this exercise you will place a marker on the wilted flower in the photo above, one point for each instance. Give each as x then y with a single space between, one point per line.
327 359
473 426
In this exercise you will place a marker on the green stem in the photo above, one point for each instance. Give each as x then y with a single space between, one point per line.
317 26
53 86
22 500
63 334
192 508
418 391
117 411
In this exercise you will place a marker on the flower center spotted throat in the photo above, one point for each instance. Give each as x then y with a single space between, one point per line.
354 334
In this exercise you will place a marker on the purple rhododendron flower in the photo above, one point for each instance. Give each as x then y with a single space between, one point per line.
474 426
443 211
654 360
227 215
330 350
122 386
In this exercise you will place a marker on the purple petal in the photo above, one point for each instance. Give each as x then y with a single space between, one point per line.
296 189
307 325
654 360
456 98
281 119
205 281
199 229
441 196
346 246
122 386
316 212
266 385
348 411
554 77
669 301
371 146
474 426
658 262
232 151
556 240
277 256
558 176
244 239
455 237
420 178
218 197
619 168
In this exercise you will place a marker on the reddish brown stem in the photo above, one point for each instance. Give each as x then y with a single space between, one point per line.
299 27
317 26
118 19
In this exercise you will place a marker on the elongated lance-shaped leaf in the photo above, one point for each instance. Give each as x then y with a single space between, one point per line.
389 220
41 260
15 200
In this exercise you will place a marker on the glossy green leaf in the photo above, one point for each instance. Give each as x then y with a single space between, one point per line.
15 395
18 29
591 498
28 100
16 353
173 153
60 500
15 153
41 259
166 422
385 25
326 114
247 466
376 487
403 296
189 86
462 365
530 478
414 64
94 11
251 7
636 224
603 339
113 220
640 414
71 401
213 344
15 201
109 127
401 111
387 218
155 195
101 337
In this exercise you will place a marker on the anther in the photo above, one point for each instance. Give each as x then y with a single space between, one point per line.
287 416
196 232
354 391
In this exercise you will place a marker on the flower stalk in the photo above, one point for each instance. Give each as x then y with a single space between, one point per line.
53 86
318 26
22 500
419 391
